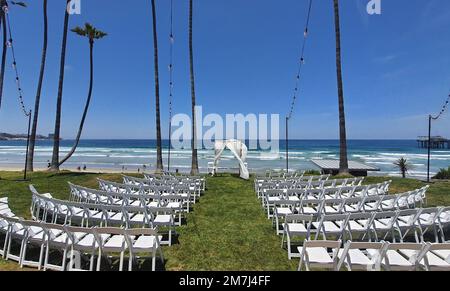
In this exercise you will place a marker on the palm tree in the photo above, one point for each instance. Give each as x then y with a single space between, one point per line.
38 93
4 4
92 35
404 166
343 164
159 160
194 166
54 166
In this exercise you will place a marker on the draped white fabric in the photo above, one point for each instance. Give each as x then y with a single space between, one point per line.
239 150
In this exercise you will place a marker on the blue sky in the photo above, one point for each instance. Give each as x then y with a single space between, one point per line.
396 65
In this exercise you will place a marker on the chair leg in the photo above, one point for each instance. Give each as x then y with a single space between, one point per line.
121 261
154 260
99 260
130 263
436 238
277 227
288 239
23 255
64 260
46 257
161 254
41 256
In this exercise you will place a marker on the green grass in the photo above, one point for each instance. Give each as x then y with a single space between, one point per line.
227 230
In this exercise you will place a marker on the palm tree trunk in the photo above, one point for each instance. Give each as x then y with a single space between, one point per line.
38 93
5 50
343 164
57 135
194 166
159 160
86 107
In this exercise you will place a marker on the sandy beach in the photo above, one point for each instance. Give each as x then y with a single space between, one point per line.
89 170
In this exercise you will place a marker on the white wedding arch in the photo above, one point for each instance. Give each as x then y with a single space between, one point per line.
239 150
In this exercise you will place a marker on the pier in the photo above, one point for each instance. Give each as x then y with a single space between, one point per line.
437 142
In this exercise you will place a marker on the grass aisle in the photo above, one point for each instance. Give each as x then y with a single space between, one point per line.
228 231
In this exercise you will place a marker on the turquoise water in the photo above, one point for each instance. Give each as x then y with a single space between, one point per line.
133 154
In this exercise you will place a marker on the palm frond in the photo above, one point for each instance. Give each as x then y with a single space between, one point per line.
89 31
80 31
22 4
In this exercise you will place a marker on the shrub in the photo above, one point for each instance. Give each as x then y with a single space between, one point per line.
312 173
444 174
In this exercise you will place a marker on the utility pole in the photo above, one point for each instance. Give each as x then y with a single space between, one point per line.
287 144
28 146
430 118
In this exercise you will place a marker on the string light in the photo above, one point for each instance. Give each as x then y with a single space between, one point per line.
172 41
10 44
301 62
443 110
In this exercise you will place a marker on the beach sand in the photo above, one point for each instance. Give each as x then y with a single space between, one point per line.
88 170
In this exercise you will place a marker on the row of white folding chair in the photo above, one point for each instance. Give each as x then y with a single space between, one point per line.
308 182
310 205
364 226
307 205
55 209
311 181
4 207
198 181
196 187
74 241
364 256
345 190
158 199
261 182
180 177
280 174
5 211
51 210
334 192
109 186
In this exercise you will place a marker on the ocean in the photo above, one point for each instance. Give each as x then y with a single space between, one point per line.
131 155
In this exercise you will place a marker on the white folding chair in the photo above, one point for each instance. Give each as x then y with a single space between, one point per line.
315 254
114 243
442 251
365 256
296 225
395 258
147 242
282 208
331 225
82 242
56 239
407 222
383 224
360 224
444 222
429 219
34 235
15 234
429 259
